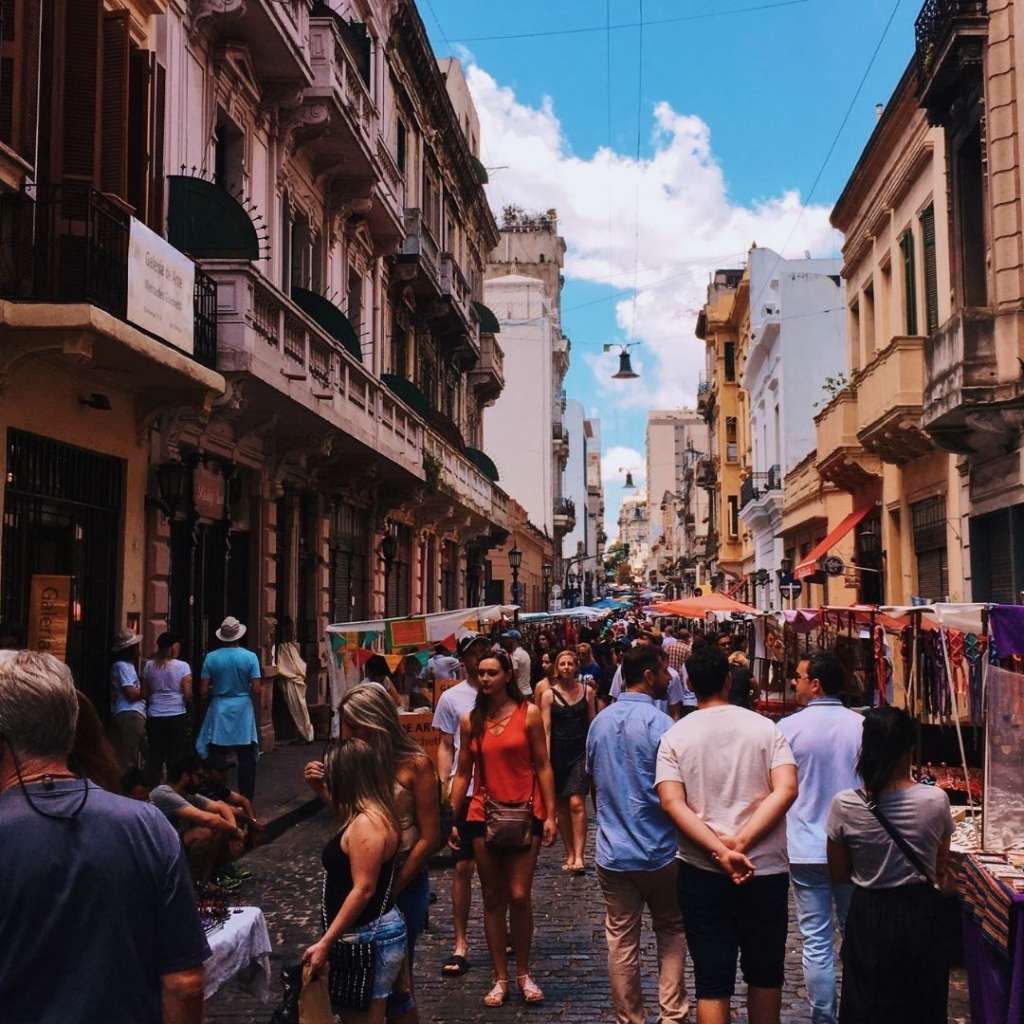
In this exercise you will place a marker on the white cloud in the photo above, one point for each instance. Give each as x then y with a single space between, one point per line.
688 227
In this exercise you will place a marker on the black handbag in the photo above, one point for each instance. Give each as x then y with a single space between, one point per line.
350 964
948 917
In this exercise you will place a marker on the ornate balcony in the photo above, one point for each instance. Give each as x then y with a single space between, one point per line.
841 458
950 42
278 349
458 478
565 516
966 390
487 378
458 327
890 393
419 262
273 31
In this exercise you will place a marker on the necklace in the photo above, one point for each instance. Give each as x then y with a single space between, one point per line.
47 778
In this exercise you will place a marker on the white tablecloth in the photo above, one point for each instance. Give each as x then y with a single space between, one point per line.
240 950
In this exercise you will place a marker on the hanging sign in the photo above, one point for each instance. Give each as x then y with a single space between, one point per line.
417 725
407 633
161 288
833 565
49 615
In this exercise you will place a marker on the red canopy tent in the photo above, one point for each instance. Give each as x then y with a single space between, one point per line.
698 607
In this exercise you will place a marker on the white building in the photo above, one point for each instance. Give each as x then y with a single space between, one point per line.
525 429
574 479
593 565
797 325
634 531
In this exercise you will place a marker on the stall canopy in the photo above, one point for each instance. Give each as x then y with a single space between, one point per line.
698 607
613 603
809 564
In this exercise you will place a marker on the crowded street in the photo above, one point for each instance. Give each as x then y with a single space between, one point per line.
511 512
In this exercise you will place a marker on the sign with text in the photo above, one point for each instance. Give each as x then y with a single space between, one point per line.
209 491
49 615
417 725
408 632
161 288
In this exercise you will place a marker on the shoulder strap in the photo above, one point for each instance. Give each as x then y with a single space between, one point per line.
901 844
387 892
557 696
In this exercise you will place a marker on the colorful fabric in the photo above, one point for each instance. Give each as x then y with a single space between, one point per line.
989 901
1007 623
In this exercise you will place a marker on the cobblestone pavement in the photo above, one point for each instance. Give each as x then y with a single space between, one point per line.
569 949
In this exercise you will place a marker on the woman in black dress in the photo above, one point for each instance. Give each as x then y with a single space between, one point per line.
567 706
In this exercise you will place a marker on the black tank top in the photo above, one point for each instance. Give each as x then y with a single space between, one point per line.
338 884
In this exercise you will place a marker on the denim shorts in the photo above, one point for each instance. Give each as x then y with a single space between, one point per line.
389 949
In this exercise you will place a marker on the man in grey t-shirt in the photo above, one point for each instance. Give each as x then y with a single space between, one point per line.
208 828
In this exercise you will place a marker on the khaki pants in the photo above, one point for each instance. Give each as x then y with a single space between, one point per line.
625 895
126 732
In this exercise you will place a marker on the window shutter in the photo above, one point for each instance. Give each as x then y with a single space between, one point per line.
114 158
19 55
931 279
158 106
81 111
909 281
139 84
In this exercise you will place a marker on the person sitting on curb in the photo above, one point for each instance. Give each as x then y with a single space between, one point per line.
208 828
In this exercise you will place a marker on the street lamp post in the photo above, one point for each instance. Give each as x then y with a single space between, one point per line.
547 570
515 560
388 552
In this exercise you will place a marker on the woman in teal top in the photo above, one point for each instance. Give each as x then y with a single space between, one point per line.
230 677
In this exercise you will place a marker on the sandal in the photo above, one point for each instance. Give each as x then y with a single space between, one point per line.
455 966
498 994
529 989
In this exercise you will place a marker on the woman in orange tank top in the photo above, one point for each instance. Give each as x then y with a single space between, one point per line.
503 743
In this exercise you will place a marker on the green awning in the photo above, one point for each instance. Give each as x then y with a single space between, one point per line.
207 222
479 170
488 321
407 392
483 463
329 317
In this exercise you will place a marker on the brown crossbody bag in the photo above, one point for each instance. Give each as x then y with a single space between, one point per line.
507 826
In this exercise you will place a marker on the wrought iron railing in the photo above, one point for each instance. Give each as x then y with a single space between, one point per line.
565 507
69 243
935 20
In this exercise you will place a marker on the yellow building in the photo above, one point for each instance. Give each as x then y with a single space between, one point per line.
896 530
719 326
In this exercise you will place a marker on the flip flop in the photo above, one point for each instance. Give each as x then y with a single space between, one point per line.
455 966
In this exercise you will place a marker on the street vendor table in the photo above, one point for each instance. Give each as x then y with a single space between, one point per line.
240 952
993 946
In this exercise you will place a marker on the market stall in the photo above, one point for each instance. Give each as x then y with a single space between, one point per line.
239 951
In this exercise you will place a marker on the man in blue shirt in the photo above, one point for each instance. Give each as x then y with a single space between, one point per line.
825 739
636 841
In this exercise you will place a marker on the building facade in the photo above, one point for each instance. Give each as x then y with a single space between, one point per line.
719 401
526 430
634 532
248 362
793 348
592 566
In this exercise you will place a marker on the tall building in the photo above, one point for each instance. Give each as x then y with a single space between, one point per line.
525 428
719 324
674 438
245 354
634 531
794 347
593 564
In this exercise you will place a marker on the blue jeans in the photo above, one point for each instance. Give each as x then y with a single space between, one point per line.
414 903
815 894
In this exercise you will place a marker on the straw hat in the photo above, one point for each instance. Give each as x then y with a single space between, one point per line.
230 630
125 638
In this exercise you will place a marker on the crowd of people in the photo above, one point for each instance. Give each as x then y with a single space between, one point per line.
708 815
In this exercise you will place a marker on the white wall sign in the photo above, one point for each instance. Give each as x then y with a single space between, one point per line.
161 284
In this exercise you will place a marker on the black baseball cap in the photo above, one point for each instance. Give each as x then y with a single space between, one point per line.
467 640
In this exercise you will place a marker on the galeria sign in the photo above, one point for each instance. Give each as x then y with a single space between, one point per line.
161 288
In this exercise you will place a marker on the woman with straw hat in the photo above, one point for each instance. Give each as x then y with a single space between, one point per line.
231 678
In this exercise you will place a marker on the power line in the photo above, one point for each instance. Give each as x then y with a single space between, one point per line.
639 133
635 24
831 149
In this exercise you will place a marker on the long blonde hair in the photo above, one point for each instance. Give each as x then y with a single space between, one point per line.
359 782
369 706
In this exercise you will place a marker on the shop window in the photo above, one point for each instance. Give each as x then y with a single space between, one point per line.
909 282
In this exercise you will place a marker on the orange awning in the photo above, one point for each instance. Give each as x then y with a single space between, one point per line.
698 607
809 564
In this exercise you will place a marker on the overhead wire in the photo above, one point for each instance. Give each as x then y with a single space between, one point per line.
639 134
634 24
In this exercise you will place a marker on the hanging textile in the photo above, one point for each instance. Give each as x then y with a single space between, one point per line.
291 673
1007 624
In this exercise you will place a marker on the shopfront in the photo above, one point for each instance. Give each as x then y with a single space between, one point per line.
63 513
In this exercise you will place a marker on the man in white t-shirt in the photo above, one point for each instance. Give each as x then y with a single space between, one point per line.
726 777
454 703
512 644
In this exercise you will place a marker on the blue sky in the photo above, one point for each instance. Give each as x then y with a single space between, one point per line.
737 112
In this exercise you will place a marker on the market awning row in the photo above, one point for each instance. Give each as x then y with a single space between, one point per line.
809 564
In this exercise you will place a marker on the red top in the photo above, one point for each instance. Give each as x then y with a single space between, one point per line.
507 773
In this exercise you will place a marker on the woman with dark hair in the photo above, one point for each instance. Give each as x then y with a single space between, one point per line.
93 756
894 971
360 864
567 708
168 686
503 742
